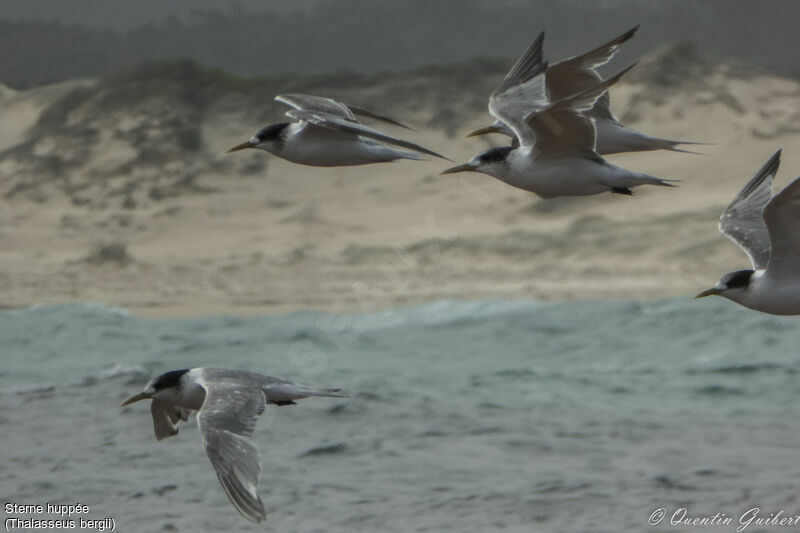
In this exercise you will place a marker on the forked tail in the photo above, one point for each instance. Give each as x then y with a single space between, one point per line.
332 393
403 154
286 393
613 138
669 144
636 179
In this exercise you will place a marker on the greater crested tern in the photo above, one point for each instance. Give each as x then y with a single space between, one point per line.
326 133
564 79
555 153
228 403
767 228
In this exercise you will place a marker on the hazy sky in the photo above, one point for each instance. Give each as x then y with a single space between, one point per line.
373 35
125 14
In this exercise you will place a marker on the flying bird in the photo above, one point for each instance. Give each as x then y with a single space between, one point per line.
228 403
767 228
326 133
564 79
555 150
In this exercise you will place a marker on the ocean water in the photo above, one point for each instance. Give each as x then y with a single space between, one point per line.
463 416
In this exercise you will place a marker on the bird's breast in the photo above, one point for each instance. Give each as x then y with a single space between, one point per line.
574 176
768 295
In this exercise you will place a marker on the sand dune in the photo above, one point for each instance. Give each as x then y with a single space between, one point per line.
120 191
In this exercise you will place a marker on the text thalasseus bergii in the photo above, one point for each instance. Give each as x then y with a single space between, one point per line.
767 228
228 403
326 133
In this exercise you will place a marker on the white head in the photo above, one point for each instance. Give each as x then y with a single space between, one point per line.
493 162
733 286
166 386
269 139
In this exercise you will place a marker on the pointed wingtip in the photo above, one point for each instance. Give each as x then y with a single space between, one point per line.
630 67
606 84
625 37
616 77
440 156
685 151
433 154
772 164
255 515
400 125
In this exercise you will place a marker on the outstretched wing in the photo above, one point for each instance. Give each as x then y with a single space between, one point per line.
383 118
307 102
521 92
743 220
333 122
166 417
562 128
782 216
602 108
579 73
327 105
226 421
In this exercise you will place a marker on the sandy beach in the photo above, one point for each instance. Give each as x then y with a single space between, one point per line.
135 203
511 363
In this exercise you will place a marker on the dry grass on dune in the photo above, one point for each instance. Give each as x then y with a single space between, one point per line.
119 190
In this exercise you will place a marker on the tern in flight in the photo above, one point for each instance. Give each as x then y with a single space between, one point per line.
767 228
228 403
554 153
326 133
564 79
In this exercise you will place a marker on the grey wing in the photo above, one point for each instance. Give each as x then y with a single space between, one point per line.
369 114
166 417
743 220
226 421
562 132
562 128
307 102
578 73
782 215
602 108
528 66
335 123
521 92
328 105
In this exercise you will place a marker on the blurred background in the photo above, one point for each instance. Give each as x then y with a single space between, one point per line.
515 364
47 40
116 116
